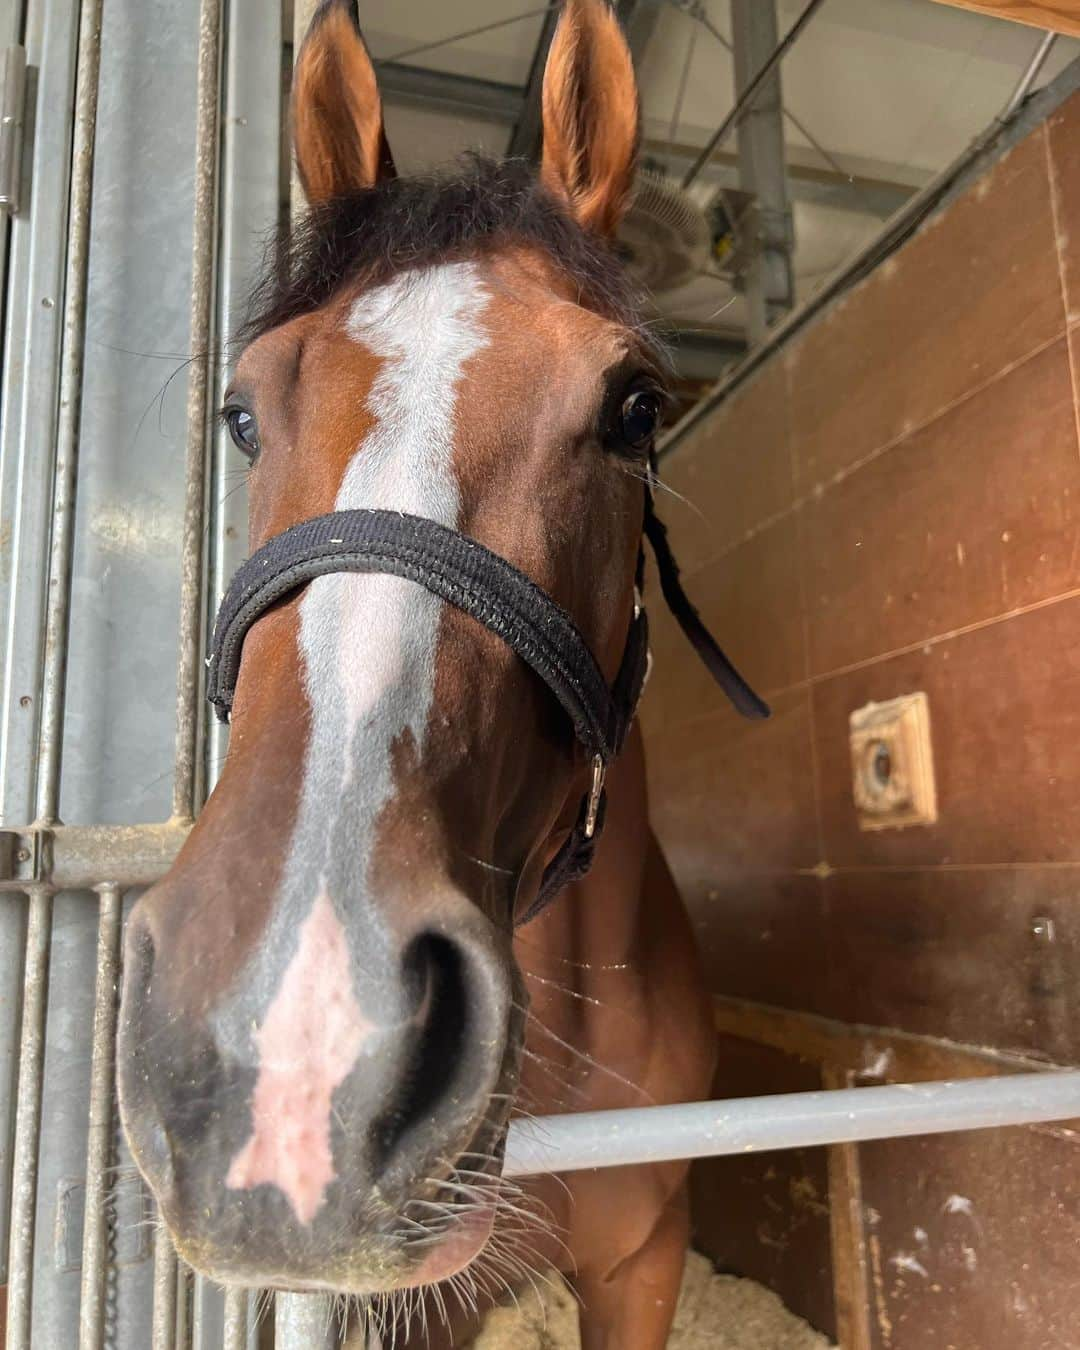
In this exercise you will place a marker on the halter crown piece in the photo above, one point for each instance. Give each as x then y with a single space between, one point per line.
482 584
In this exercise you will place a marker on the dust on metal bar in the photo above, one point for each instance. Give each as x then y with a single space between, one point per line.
58 605
305 1322
236 1319
189 665
100 1139
54 674
163 1329
27 1120
81 857
788 1120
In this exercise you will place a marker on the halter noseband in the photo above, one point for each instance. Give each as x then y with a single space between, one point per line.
482 584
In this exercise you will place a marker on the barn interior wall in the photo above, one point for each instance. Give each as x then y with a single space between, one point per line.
890 505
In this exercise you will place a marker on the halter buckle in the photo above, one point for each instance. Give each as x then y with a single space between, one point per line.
596 790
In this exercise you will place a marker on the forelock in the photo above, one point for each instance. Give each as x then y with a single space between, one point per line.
367 237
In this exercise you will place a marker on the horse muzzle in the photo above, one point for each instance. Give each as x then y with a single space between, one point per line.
317 1144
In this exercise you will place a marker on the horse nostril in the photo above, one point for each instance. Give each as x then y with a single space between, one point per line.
436 1065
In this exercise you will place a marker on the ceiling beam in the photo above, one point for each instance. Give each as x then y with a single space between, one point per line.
1061 16
463 95
492 101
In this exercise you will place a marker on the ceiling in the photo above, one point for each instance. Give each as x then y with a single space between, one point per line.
879 95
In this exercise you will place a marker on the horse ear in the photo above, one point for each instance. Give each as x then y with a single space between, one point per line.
336 109
590 108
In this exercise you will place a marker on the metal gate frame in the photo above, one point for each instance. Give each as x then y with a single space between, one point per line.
64 887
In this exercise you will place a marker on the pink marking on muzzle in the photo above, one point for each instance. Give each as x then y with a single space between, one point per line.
308 1043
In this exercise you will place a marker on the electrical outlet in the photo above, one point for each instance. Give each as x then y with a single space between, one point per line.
892 764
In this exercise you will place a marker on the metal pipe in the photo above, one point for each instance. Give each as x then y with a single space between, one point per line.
77 857
58 605
236 1334
163 1333
305 1322
27 1120
746 98
787 1120
189 665
100 1141
768 279
1029 76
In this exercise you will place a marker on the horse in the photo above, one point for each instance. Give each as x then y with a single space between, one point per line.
331 1007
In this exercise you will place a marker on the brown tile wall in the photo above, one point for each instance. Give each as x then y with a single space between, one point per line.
893 504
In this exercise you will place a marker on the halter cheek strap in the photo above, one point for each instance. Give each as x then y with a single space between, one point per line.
480 583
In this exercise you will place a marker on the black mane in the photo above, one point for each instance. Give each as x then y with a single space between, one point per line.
370 236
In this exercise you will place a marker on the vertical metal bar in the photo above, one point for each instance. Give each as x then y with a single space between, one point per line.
100 1141
164 1325
27 1121
187 786
58 605
12 99
305 1322
189 666
770 60
237 1320
768 280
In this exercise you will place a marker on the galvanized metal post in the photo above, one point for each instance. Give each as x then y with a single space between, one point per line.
305 1322
50 728
768 279
100 1142
58 610
189 667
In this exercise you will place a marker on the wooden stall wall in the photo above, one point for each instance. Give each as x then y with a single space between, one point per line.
891 505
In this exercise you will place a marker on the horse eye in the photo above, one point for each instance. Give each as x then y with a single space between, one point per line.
640 417
243 430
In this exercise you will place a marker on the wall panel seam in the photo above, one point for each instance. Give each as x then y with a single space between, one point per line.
909 433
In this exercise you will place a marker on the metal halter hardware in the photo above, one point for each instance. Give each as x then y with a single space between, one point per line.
495 593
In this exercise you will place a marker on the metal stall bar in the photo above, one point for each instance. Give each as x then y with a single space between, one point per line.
305 1322
99 1150
743 102
54 670
58 608
788 1120
187 781
189 667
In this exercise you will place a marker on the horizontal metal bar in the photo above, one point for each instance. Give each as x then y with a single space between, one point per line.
80 857
591 1139
441 89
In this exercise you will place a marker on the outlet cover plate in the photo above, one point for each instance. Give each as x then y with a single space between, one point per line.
892 764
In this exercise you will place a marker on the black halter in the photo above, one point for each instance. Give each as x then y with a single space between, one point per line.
479 582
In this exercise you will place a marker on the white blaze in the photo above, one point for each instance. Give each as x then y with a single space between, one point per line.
368 646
